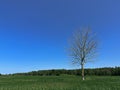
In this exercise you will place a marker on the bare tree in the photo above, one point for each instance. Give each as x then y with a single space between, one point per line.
83 47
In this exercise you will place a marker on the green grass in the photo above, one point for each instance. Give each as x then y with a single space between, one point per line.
59 83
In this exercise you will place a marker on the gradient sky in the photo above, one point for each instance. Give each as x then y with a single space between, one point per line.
34 34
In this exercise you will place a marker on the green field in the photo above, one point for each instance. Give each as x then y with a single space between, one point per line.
59 83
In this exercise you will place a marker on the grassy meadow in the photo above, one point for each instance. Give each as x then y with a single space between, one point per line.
59 83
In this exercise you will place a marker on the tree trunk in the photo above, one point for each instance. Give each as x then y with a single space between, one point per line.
82 67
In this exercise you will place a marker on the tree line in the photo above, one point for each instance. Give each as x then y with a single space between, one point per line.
106 71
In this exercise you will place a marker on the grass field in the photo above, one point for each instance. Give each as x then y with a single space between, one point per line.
59 83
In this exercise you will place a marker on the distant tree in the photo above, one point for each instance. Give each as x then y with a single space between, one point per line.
82 47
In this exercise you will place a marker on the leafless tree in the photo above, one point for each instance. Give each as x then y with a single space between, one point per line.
83 47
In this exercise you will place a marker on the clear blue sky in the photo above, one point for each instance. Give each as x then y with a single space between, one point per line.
34 33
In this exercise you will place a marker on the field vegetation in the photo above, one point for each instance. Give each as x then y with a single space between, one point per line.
62 82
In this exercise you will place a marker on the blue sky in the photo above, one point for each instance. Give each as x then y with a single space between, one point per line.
34 34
